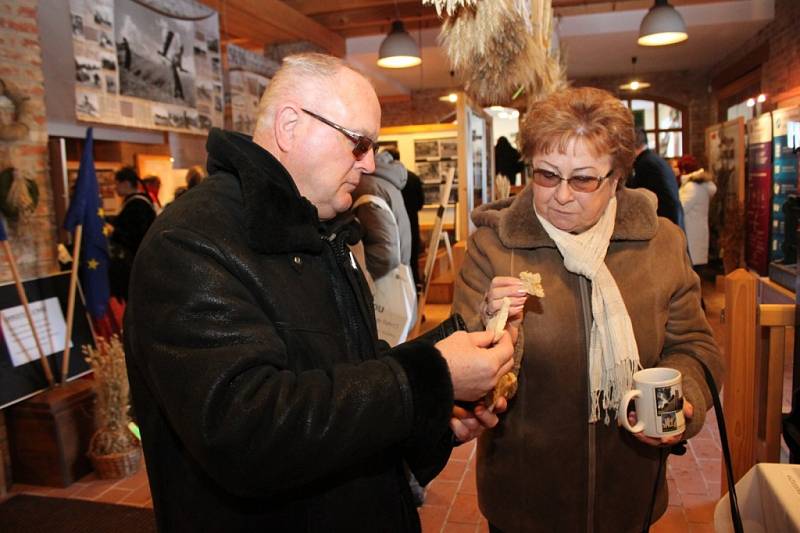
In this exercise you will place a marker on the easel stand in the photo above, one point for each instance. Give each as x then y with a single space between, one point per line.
49 435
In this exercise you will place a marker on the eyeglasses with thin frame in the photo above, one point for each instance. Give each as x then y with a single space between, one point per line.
547 178
363 144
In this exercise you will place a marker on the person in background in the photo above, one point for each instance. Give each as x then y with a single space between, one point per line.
620 295
697 189
380 237
152 186
414 200
195 175
265 400
652 172
507 160
128 229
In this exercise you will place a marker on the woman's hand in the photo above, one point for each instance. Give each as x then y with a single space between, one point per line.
688 412
504 286
468 425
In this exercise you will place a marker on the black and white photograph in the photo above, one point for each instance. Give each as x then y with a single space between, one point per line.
77 26
204 92
428 172
108 62
669 422
668 399
155 56
111 84
448 148
218 104
87 72
216 70
105 41
213 44
102 16
426 149
87 104
160 116
444 168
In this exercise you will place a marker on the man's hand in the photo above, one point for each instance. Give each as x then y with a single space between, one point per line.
688 412
475 365
468 425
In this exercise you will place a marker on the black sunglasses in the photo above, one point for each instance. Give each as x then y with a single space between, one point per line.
363 144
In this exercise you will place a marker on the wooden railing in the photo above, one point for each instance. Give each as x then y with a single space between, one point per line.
759 336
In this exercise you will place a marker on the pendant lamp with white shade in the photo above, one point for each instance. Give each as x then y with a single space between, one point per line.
398 49
662 25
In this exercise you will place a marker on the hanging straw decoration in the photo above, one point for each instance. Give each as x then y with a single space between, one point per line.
19 196
449 6
500 46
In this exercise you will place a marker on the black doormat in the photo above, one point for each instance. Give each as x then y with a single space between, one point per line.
37 514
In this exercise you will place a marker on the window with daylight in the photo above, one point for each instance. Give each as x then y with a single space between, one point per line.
663 123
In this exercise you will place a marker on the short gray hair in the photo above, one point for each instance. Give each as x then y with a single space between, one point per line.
295 77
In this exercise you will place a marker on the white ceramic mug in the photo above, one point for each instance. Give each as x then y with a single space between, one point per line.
659 403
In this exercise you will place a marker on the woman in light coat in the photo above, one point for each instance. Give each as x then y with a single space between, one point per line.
611 270
696 190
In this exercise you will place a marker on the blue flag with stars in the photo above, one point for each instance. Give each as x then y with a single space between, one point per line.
85 209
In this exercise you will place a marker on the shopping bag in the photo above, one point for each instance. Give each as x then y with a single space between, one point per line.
395 296
395 301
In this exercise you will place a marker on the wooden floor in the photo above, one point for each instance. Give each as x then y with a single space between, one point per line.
451 503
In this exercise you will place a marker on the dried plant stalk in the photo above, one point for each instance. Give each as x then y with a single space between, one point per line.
449 6
112 403
499 46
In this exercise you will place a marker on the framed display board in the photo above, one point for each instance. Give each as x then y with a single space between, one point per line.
725 155
21 374
105 181
759 193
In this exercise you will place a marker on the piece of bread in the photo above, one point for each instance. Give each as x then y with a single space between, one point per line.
497 324
532 283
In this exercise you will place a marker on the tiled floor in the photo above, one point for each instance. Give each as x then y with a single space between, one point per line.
451 504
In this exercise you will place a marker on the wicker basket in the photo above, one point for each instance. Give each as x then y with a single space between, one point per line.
117 465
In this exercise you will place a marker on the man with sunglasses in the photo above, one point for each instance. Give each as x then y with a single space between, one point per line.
264 398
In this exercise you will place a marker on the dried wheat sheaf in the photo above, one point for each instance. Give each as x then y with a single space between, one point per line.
500 46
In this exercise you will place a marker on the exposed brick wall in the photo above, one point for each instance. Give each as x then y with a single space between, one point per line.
33 241
424 107
781 72
685 88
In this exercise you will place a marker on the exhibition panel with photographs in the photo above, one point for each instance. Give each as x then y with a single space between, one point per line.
145 65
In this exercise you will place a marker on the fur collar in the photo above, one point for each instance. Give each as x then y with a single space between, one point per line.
277 218
517 226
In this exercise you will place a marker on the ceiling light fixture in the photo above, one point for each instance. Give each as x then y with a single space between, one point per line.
399 49
452 98
662 25
634 84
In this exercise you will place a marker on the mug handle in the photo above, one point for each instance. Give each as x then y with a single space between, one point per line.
622 413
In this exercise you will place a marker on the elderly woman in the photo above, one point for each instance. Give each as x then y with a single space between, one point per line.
620 294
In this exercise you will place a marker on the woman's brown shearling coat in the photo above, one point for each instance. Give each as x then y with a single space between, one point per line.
544 467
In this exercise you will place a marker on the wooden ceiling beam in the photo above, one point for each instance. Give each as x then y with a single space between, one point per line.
269 21
318 7
375 16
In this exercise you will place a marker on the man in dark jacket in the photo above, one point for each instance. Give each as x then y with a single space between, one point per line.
265 400
651 171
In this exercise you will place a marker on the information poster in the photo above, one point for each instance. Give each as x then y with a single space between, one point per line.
148 64
248 77
725 153
758 213
784 175
21 373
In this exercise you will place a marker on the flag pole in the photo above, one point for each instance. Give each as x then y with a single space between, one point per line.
48 374
73 283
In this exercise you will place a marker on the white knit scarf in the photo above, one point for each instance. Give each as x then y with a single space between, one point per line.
613 356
